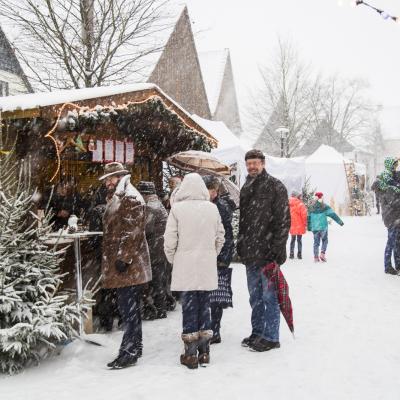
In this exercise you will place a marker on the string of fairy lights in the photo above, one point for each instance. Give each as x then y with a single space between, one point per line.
385 15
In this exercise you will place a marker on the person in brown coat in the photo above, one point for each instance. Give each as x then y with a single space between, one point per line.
126 260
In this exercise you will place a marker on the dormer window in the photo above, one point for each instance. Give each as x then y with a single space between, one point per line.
4 90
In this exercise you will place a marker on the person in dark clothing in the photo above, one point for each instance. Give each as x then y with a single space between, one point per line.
106 307
263 232
389 193
376 190
222 297
156 221
63 204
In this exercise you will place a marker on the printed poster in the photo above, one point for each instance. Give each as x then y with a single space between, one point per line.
129 153
109 150
119 151
97 153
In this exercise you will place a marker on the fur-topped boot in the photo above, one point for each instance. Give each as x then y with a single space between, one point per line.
189 358
204 346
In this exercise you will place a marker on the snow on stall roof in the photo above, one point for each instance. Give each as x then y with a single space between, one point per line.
326 155
226 138
44 99
213 65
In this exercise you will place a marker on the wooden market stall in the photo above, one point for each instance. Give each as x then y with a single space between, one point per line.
71 134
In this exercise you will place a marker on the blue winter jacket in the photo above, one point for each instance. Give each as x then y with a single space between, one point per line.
318 217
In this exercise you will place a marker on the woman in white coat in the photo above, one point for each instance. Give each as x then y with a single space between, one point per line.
193 239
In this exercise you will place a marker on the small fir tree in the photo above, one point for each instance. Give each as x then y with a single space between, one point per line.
34 315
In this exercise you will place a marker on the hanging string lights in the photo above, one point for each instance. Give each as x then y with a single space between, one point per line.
385 15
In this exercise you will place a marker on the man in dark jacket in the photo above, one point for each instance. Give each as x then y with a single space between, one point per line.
222 297
389 193
263 232
156 221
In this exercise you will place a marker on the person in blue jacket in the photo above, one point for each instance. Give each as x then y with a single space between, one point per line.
318 224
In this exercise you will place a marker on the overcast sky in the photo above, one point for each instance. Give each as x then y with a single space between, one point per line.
354 41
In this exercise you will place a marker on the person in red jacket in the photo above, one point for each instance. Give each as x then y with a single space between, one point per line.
298 227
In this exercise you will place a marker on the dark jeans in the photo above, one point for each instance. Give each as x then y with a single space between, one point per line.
265 315
196 311
318 237
216 316
107 308
392 247
129 308
158 286
299 243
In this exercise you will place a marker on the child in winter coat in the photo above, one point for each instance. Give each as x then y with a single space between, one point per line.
193 238
298 227
318 225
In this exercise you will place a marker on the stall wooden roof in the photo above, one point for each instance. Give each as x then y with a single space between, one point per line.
48 105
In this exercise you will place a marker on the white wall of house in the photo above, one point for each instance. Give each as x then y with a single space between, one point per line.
15 83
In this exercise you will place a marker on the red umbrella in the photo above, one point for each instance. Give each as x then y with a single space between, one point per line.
274 275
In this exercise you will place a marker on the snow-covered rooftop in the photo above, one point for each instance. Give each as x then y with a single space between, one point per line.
326 155
226 138
213 65
44 99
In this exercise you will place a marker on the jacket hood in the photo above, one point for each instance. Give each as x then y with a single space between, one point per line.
126 188
192 188
390 163
293 201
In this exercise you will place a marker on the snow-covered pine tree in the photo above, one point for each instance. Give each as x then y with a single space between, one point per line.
34 315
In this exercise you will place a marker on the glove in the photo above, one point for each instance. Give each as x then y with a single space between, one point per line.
121 266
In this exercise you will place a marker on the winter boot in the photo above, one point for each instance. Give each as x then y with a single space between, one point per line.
204 346
322 257
299 256
391 271
216 338
316 259
124 360
170 302
291 256
246 341
189 358
261 344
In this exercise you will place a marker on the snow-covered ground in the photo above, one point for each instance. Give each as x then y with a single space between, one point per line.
347 342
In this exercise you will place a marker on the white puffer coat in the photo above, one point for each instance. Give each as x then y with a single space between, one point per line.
194 237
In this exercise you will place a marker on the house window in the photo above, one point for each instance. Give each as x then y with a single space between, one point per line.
4 89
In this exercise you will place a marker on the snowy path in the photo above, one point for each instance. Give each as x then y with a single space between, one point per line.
347 345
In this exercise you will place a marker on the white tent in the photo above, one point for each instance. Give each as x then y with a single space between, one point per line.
326 173
231 150
291 171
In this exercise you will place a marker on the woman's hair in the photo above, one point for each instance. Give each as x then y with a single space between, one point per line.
212 182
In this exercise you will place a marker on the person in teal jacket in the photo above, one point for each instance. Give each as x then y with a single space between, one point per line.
318 224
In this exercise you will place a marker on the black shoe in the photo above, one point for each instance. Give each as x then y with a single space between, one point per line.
391 271
299 256
216 339
170 303
261 344
124 361
246 341
291 256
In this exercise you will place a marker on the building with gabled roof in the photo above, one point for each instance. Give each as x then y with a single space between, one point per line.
12 78
216 68
178 71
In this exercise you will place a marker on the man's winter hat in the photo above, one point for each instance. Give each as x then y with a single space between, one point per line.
114 168
146 187
254 154
319 195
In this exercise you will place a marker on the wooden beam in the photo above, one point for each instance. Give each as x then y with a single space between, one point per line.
21 114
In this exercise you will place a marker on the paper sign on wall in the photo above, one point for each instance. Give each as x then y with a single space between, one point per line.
97 153
119 151
109 150
129 153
